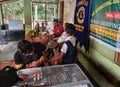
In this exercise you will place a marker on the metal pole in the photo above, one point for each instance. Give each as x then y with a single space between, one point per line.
1 15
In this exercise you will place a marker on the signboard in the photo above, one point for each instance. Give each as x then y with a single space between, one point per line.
105 22
82 21
15 25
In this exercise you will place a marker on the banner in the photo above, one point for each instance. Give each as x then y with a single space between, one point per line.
82 21
105 21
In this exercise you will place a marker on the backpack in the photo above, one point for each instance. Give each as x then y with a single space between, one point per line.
8 76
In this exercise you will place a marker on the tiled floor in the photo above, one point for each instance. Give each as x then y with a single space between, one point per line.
6 63
6 54
7 51
2 47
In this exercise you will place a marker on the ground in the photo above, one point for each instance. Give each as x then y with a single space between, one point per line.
6 54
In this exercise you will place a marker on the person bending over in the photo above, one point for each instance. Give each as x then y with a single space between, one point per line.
29 54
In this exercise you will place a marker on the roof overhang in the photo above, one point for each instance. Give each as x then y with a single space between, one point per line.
6 1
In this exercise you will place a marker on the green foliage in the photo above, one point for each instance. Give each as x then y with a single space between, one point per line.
50 9
41 12
33 32
13 10
54 1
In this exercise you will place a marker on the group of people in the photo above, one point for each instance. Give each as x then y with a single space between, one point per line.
35 54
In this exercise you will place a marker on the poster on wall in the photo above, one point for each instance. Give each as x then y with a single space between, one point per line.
105 22
82 21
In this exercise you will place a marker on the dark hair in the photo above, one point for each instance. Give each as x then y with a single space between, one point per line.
66 24
25 46
55 20
70 29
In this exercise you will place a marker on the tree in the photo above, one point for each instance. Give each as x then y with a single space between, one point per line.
13 10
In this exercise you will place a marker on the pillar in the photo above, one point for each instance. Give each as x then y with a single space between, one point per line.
36 12
61 10
27 15
1 15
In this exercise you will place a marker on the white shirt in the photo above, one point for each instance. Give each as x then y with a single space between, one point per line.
62 37
49 26
72 39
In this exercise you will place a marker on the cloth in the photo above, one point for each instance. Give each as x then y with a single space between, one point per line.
49 27
72 40
69 49
58 30
8 76
69 56
62 37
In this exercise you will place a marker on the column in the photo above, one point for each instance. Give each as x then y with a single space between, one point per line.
36 12
1 15
27 15
61 10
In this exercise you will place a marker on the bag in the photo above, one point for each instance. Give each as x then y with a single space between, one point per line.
8 76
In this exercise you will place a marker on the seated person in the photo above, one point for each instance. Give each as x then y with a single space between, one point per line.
58 28
68 49
49 26
29 54
52 51
62 38
37 26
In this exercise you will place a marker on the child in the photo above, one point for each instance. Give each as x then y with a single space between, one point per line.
29 54
68 49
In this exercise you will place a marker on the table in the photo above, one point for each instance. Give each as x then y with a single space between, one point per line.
69 75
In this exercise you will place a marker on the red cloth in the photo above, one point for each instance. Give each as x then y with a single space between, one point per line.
58 30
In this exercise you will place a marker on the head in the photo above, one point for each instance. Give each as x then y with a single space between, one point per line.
55 22
36 21
25 47
70 29
66 24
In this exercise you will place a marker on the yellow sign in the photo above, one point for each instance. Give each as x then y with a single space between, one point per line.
104 31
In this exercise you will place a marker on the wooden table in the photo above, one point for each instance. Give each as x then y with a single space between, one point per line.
69 75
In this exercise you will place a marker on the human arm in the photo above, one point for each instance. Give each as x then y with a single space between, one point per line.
57 58
62 38
62 53
55 38
20 61
36 62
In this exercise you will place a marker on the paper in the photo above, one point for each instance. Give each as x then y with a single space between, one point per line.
29 71
85 85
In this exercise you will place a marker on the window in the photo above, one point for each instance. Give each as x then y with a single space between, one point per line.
13 11
44 11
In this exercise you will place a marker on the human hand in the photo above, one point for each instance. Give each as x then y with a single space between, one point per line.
42 59
31 65
54 58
